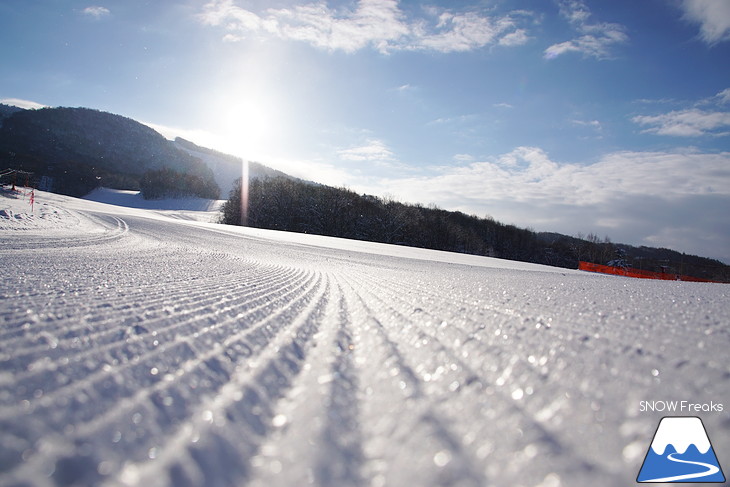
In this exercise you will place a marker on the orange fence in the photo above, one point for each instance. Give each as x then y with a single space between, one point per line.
629 272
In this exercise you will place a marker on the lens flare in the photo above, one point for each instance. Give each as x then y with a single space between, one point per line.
244 193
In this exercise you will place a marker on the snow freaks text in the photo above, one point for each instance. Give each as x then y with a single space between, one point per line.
680 407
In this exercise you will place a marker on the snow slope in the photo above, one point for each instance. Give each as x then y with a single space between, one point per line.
199 208
141 348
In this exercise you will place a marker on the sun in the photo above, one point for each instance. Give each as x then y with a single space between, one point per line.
248 125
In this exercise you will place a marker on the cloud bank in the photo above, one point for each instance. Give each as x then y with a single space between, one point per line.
674 199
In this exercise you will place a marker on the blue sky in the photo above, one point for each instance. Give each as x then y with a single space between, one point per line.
576 116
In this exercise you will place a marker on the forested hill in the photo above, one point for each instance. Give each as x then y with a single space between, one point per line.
226 168
82 148
6 111
296 206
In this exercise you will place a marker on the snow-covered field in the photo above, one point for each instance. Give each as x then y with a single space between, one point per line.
151 347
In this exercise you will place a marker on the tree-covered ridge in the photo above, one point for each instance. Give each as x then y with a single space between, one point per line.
82 148
166 183
297 206
6 111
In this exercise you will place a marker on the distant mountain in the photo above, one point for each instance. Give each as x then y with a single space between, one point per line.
226 168
80 149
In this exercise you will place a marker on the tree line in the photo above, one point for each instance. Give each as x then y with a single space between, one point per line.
299 206
168 183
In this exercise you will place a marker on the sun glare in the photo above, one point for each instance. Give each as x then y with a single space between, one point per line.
248 125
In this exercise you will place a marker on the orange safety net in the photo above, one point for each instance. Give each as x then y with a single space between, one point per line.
628 272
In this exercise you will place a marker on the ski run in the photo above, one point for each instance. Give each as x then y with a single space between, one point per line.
152 347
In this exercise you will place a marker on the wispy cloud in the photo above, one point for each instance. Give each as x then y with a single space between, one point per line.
373 150
463 158
378 24
595 124
96 12
724 96
26 104
460 119
686 123
710 120
464 32
656 101
713 16
597 39
593 129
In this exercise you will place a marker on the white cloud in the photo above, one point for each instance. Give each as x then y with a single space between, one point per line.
463 158
527 174
687 123
597 39
595 124
373 22
598 47
459 119
26 104
379 24
516 38
656 101
575 11
704 118
373 151
464 32
96 12
645 198
724 96
713 17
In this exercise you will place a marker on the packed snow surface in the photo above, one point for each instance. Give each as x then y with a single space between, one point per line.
189 207
149 347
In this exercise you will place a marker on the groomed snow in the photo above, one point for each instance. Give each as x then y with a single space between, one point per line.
152 347
134 199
